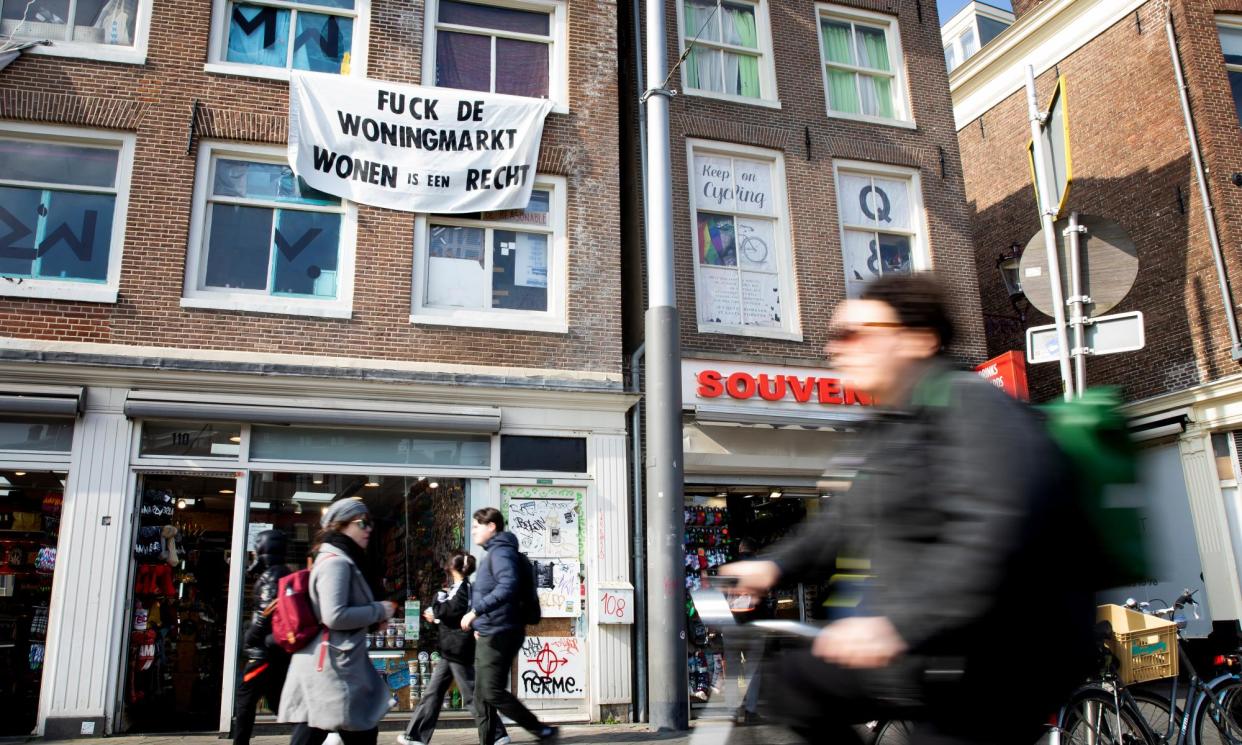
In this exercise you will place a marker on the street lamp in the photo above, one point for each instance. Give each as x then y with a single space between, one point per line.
1007 265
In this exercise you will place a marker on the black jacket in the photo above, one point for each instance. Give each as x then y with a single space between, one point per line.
259 644
455 644
965 511
494 597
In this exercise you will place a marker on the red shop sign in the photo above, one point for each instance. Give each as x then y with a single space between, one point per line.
1007 372
801 389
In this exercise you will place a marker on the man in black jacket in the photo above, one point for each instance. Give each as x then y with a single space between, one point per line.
267 663
496 617
963 517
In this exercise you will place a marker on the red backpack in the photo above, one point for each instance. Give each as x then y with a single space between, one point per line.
294 622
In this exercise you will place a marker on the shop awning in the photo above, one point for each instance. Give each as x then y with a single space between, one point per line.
313 412
841 419
52 401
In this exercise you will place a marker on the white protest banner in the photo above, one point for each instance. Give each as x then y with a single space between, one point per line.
414 148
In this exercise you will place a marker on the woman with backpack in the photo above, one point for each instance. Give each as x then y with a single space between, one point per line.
456 653
332 685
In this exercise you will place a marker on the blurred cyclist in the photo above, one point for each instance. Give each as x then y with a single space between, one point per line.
961 519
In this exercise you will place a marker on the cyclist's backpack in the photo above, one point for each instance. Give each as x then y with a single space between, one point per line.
294 622
1091 431
528 595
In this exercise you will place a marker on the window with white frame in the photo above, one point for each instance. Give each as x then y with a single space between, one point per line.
881 212
495 269
104 29
499 46
743 274
264 240
1230 31
863 65
280 35
63 195
730 48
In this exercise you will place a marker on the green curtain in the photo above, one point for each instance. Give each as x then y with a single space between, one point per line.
836 42
691 68
842 95
872 48
695 14
742 21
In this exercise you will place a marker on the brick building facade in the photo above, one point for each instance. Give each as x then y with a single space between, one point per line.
813 148
1132 162
148 363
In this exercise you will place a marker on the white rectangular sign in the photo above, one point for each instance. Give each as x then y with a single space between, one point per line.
545 528
1120 332
413 148
552 667
615 605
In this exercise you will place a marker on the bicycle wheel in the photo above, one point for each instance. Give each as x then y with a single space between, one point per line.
893 733
1091 718
1154 708
1221 724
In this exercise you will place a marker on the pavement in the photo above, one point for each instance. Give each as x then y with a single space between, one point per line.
457 735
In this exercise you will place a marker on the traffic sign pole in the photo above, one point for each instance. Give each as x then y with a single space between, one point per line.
1077 303
1047 217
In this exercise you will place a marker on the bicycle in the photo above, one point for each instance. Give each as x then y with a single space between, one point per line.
755 249
1138 715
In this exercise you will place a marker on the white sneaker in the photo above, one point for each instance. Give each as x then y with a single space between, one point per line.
403 740
504 740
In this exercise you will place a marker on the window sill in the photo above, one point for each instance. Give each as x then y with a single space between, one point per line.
99 52
901 123
480 320
757 333
46 289
257 71
260 304
769 103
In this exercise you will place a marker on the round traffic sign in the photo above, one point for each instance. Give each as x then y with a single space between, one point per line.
1108 260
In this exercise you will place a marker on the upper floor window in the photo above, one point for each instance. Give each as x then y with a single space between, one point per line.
882 228
495 269
263 240
63 194
863 65
112 30
732 50
515 47
1230 31
743 266
268 38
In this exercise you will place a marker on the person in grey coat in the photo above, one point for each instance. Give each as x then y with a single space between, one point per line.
332 686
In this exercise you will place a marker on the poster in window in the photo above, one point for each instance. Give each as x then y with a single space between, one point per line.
892 203
718 297
756 245
456 276
754 186
761 299
862 256
854 201
713 182
716 240
530 262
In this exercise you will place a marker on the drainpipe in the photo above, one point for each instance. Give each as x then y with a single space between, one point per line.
637 533
1201 177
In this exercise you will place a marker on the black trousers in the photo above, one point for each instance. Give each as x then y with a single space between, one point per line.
823 702
262 679
493 658
424 719
304 735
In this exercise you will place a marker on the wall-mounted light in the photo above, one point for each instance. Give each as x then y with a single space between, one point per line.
434 484
776 494
226 491
1007 263
372 481
235 438
317 478
19 473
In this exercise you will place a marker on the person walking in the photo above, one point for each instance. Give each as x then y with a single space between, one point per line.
332 685
266 663
496 617
963 514
456 655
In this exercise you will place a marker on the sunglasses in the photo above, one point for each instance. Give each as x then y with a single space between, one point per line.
845 334
365 523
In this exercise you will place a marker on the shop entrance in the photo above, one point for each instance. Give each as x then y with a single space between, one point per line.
182 554
721 522
30 503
